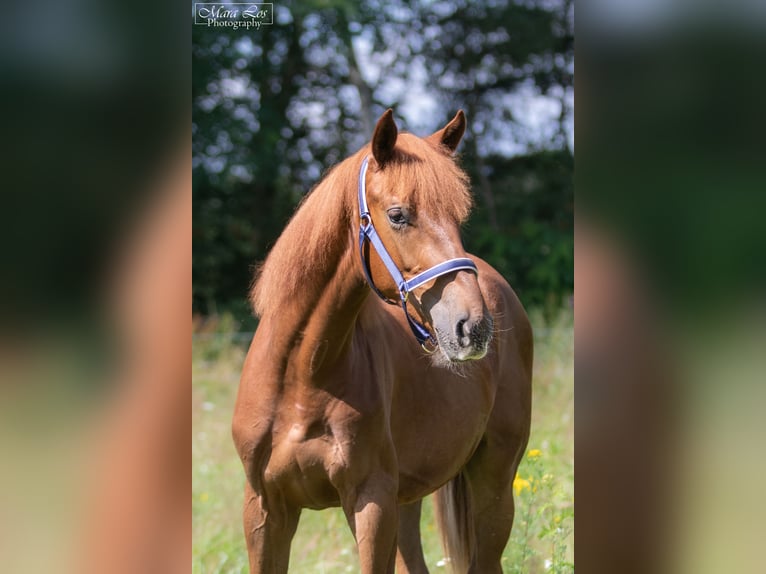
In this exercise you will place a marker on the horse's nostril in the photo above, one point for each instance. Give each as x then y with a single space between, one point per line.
472 333
460 329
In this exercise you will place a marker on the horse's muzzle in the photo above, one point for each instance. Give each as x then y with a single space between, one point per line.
469 340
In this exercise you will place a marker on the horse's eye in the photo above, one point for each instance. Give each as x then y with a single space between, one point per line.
396 217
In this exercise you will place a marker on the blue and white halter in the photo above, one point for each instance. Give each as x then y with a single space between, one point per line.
367 233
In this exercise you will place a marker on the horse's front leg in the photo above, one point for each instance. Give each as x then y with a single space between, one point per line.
270 525
372 513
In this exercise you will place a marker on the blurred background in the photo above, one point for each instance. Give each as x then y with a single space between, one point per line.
95 253
670 286
95 267
275 107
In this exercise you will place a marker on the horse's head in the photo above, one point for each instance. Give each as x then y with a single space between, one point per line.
417 198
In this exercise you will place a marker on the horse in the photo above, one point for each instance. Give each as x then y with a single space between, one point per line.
388 364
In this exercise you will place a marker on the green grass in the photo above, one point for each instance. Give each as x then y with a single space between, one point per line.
543 533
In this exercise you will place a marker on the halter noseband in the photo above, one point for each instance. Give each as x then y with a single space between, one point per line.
367 233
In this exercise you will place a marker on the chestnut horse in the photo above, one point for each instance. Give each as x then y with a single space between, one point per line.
339 405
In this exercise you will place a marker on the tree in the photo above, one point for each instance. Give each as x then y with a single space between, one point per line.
274 108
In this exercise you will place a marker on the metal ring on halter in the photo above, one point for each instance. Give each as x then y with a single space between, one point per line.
426 349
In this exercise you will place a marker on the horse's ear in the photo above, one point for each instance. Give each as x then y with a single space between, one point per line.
384 138
451 134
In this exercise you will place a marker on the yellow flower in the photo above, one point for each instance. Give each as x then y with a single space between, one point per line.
520 484
534 453
557 519
203 497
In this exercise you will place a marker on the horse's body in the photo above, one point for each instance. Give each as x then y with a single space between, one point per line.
338 405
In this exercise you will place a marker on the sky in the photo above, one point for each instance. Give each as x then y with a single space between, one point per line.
537 114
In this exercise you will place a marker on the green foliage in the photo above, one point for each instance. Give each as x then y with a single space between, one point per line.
273 109
523 224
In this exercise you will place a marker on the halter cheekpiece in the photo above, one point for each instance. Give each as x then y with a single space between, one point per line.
367 233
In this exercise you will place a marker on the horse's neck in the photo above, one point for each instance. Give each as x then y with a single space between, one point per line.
331 322
316 331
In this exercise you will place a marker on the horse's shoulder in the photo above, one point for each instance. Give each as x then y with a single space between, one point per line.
495 287
506 308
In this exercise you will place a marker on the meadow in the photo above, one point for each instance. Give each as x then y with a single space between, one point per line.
543 534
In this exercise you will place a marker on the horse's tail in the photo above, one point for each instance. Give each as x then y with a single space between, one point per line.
454 514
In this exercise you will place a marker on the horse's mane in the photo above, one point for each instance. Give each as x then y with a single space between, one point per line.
319 229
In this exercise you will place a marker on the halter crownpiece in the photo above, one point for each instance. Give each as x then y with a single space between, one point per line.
367 233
